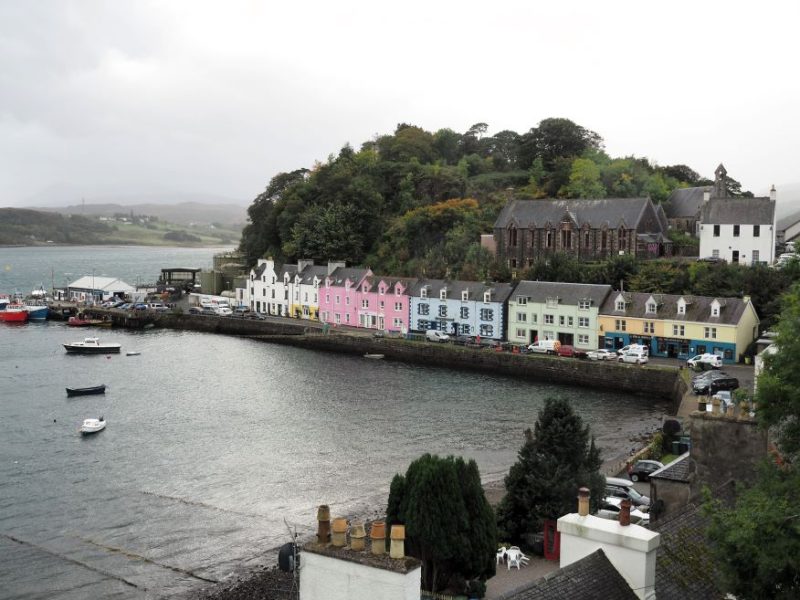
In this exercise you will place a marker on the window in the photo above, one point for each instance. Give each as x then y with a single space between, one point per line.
522 317
548 319
263 292
549 239
681 309
583 339
651 307
521 333
487 330
620 324
397 291
423 309
756 230
603 240
443 294
487 314
328 298
714 311
710 333
443 310
381 304
649 327
465 329
487 296
324 317
398 306
534 318
347 301
512 236
338 318
423 293
716 230
620 305
756 257
552 303
423 325
583 321
365 303
381 290
464 296
398 322
735 231
715 253
464 312
347 317
584 304
561 320
586 239
522 300
569 321
678 330
338 299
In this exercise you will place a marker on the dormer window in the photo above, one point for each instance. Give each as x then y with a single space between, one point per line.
464 296
620 304
365 289
584 304
487 296
398 291
423 293
715 307
443 294
521 300
681 307
382 290
651 308
552 303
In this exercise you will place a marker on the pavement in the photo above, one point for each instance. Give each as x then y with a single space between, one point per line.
506 581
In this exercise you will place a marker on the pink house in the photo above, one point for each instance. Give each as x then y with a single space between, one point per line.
383 303
338 296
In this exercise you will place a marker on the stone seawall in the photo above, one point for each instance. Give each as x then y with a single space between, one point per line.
658 382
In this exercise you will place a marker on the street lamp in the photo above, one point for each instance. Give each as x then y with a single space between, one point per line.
92 286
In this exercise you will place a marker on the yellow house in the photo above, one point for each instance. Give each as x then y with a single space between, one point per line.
679 326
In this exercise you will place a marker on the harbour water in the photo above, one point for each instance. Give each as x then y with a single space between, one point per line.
213 441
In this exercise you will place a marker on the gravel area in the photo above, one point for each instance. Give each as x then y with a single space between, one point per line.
266 584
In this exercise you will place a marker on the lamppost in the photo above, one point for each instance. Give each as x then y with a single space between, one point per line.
92 286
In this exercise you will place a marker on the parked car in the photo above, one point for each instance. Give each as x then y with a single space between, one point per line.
571 351
637 347
601 354
641 469
713 385
611 506
636 357
545 346
223 311
241 311
708 376
434 335
195 310
713 360
623 488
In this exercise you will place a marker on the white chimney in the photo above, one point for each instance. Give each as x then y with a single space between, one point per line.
630 548
773 193
706 196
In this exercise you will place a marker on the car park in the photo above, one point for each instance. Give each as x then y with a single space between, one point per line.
635 357
623 488
712 360
641 469
601 354
611 506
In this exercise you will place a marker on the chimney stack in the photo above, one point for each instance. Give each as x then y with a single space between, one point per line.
583 501
397 547
625 513
377 534
339 538
323 524
773 193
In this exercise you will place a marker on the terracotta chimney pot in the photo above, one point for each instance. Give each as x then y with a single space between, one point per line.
323 524
397 547
339 538
378 535
583 501
358 536
625 513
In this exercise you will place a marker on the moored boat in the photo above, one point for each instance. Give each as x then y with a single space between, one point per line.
37 313
14 313
374 356
92 426
91 345
86 391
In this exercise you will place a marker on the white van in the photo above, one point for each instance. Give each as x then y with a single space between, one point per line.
712 360
434 335
636 357
545 346
635 348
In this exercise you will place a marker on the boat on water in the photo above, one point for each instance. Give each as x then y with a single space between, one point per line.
36 312
91 345
81 320
86 391
14 313
134 353
92 426
374 356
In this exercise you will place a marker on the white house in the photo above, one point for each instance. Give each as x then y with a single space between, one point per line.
737 230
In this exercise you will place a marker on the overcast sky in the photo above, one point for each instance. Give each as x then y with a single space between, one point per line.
113 98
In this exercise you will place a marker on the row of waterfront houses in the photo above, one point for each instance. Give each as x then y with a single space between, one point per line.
586 316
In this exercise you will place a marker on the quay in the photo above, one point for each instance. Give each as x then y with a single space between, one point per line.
663 383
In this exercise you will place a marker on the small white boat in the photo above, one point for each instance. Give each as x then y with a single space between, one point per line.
91 346
134 353
374 356
92 426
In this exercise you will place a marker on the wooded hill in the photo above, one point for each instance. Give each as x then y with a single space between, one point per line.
416 202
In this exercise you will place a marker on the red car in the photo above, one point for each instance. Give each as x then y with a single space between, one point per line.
571 352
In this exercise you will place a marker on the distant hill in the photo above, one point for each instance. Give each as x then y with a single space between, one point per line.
184 213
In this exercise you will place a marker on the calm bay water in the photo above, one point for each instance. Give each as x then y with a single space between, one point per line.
213 441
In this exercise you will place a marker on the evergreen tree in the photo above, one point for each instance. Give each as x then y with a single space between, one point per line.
557 458
450 526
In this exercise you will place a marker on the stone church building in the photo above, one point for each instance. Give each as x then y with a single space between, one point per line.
530 230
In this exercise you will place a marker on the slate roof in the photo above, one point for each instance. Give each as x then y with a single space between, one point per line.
685 203
610 212
340 274
698 308
662 217
307 275
500 291
788 220
390 281
259 270
678 470
567 293
738 211
591 578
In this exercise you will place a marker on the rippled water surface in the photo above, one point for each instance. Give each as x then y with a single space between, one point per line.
213 441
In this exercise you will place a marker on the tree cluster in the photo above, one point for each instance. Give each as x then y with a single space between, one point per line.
415 202
450 526
557 459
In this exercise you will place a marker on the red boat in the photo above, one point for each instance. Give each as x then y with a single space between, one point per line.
82 320
14 313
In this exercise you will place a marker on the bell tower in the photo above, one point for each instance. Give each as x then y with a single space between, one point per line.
720 191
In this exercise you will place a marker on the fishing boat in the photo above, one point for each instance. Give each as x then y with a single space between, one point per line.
86 391
81 320
14 313
37 312
92 426
91 345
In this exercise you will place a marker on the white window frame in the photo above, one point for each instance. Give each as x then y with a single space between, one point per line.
583 322
584 304
583 339
522 317
620 305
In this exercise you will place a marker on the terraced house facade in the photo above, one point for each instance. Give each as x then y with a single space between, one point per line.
567 312
679 326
